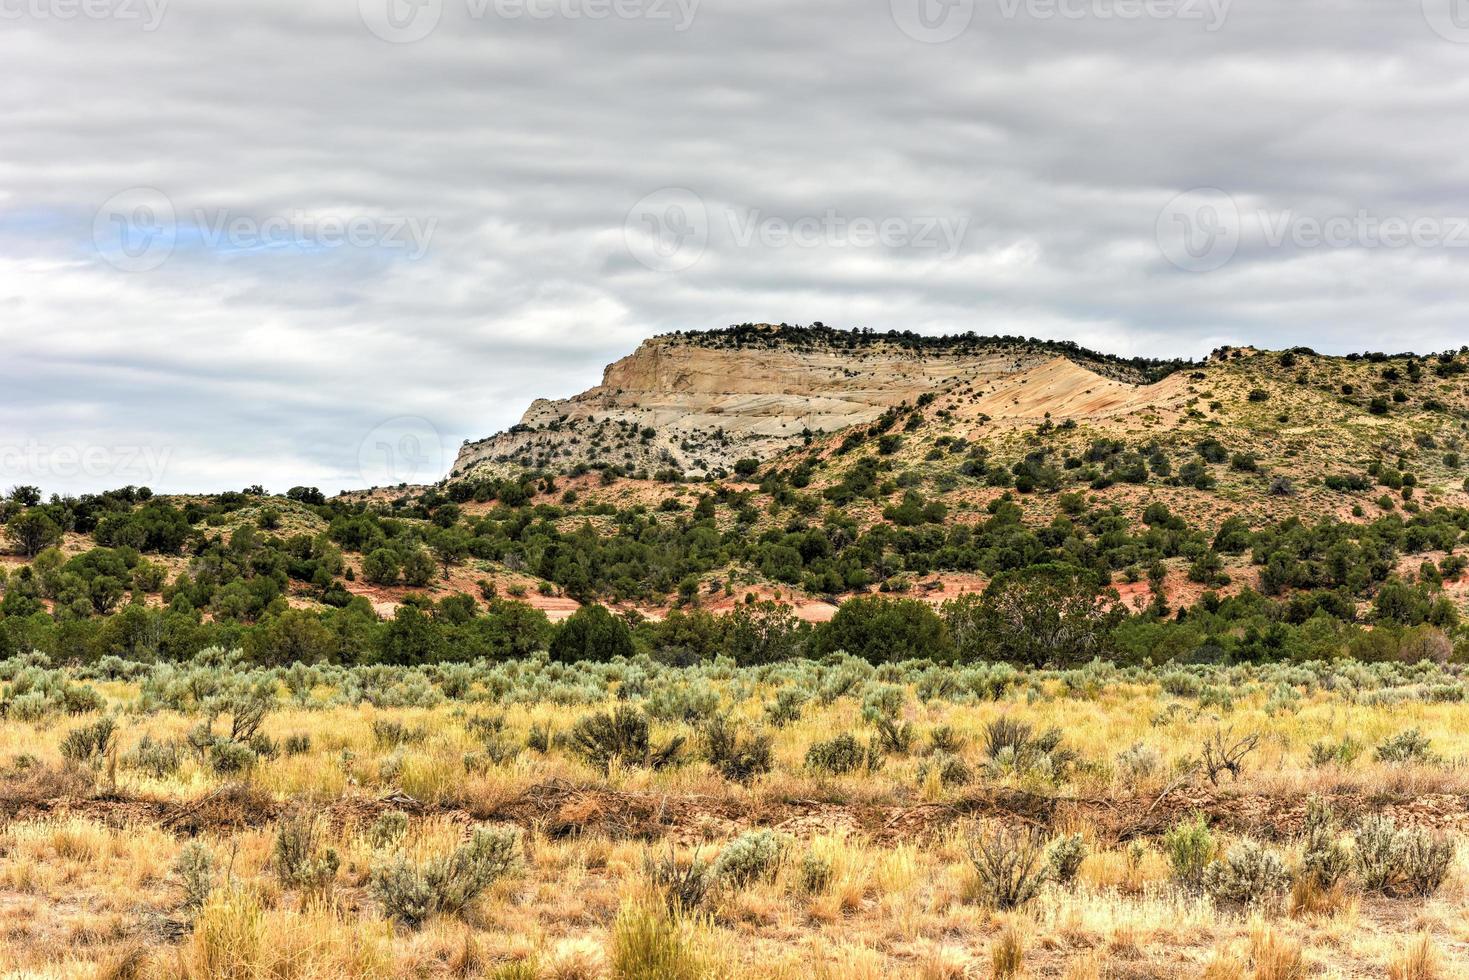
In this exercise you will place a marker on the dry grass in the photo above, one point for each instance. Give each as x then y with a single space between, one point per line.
89 887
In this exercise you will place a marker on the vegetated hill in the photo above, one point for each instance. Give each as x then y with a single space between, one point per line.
695 403
1296 483
1278 432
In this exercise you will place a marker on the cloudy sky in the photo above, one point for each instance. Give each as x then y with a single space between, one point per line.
325 241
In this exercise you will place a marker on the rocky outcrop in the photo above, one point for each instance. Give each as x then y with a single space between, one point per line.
697 403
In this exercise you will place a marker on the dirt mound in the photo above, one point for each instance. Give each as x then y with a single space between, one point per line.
563 809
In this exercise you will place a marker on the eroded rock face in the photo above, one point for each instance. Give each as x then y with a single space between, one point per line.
695 403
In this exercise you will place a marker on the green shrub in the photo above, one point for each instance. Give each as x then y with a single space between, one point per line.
837 756
814 873
228 757
944 738
892 738
195 868
412 892
1190 847
1343 753
300 858
388 829
155 758
297 743
623 735
882 630
1007 865
1403 862
736 756
591 633
1248 874
1408 746
389 733
1325 860
683 887
950 769
749 857
786 708
89 743
1064 861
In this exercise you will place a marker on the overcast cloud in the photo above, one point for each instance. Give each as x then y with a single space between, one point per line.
268 241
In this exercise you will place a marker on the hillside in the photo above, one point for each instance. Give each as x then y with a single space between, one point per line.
843 463
697 403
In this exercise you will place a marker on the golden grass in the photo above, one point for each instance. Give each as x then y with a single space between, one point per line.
86 895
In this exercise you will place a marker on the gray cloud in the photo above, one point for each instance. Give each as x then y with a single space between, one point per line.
252 354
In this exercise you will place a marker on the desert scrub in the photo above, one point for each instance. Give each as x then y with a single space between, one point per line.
623 735
944 738
153 757
1190 847
839 756
1407 746
1065 857
1401 862
1248 874
735 755
1342 753
1007 865
682 885
413 892
87 744
786 707
300 855
195 869
387 830
389 733
945 769
750 857
1014 747
814 873
1325 859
